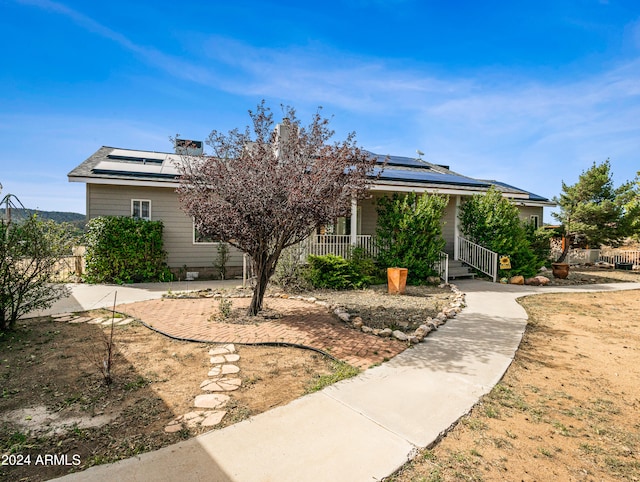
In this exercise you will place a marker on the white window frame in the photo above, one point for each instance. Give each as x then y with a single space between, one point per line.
141 201
535 220
193 234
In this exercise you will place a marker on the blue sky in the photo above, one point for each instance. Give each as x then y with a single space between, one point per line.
530 92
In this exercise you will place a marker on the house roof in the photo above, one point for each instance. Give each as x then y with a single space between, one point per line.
111 165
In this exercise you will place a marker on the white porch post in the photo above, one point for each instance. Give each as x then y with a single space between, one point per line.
354 221
456 230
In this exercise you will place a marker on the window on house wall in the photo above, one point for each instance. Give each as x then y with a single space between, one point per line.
141 209
535 220
199 238
342 226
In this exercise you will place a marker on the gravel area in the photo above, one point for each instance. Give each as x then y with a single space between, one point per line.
374 305
379 309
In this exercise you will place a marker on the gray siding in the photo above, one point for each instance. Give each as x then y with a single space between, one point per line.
105 200
527 211
370 218
449 225
369 214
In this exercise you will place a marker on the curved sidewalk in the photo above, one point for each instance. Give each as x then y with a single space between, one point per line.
364 428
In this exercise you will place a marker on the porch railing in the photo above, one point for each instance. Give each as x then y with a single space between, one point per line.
337 244
478 257
340 245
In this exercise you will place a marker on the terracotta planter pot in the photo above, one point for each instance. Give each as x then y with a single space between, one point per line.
397 280
560 270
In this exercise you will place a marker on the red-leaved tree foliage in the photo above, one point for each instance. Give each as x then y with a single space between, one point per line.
269 187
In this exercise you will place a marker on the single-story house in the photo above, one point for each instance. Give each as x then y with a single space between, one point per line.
128 182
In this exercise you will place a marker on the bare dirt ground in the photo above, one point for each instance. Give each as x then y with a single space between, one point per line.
53 400
568 408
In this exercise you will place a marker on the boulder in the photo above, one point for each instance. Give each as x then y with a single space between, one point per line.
420 333
400 335
532 281
385 333
516 280
544 281
344 316
366 329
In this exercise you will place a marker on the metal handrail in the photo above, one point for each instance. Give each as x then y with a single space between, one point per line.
442 266
478 257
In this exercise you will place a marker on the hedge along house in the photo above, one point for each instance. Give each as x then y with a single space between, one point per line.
125 182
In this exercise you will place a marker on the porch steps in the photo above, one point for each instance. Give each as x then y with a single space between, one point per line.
457 270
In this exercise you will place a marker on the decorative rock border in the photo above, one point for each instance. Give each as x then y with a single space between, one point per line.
419 334
221 358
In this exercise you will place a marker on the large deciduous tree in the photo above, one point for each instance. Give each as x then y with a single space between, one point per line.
268 187
595 209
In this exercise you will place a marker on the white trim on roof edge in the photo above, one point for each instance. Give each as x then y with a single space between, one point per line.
123 182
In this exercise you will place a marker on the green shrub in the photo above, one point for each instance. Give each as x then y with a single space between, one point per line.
29 254
125 250
540 242
290 273
334 272
493 222
363 263
409 233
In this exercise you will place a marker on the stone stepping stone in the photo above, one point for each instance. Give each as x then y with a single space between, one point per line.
82 319
223 370
196 415
211 400
221 385
219 359
230 348
213 419
126 321
109 321
62 315
66 318
97 321
173 427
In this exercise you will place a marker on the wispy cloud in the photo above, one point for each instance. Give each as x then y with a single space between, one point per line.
494 123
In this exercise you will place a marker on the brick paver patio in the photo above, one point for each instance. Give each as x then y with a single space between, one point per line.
302 324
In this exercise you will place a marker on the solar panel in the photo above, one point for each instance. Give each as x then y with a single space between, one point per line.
139 170
427 176
139 156
400 161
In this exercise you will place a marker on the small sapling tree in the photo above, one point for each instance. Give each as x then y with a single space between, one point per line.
29 253
265 189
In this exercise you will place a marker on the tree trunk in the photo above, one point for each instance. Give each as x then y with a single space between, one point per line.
264 266
565 250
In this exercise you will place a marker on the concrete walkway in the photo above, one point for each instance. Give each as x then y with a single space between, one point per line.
365 428
89 297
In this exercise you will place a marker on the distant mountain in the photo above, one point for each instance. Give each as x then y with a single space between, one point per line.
76 219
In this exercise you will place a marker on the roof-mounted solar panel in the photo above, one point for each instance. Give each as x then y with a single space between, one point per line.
428 177
143 157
